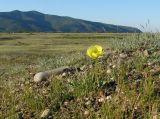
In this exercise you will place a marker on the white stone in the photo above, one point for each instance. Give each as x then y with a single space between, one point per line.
101 99
108 97
88 102
45 75
122 55
45 114
108 71
114 66
146 53
83 68
41 76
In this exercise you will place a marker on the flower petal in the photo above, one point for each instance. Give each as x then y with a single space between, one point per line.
99 49
94 55
94 51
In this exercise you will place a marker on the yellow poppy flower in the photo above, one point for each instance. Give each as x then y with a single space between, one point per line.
94 51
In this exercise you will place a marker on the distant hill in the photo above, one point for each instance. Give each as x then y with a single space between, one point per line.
33 21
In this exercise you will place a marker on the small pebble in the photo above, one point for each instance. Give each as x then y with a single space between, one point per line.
146 53
110 64
86 113
122 55
41 76
114 66
66 103
108 97
45 114
101 99
86 98
44 91
108 71
149 63
88 102
64 74
90 66
83 68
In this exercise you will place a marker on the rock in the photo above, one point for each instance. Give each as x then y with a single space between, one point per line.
109 98
86 113
64 74
90 66
45 114
86 98
83 67
102 99
114 66
41 76
88 102
50 117
66 103
108 71
123 56
146 53
150 64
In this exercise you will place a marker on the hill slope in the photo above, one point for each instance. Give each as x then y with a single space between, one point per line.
33 21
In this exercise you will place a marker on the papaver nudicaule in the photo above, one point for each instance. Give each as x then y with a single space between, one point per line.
94 51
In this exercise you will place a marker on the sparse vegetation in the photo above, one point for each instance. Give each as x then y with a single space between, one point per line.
124 84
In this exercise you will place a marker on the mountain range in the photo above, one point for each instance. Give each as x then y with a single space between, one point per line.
33 21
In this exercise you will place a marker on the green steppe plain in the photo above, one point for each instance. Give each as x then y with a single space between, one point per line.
24 54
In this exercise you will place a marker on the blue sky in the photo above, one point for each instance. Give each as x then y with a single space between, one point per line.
120 12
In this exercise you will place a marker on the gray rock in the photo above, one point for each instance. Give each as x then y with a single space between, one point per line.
41 76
